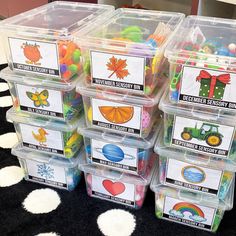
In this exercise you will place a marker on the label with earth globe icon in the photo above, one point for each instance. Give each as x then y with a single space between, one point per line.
114 155
201 179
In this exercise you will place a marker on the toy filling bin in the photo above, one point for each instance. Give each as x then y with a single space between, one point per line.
126 52
40 41
116 186
202 60
116 151
176 169
42 135
200 130
45 98
47 169
197 210
122 113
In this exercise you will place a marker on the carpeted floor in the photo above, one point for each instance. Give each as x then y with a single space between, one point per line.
77 214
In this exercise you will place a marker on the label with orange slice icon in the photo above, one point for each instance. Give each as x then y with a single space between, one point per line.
117 116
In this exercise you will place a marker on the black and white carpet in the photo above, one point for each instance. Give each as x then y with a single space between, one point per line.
32 209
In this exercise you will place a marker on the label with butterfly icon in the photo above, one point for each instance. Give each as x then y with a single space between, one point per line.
40 101
118 71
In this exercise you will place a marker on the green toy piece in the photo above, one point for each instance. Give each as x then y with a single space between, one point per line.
133 33
207 132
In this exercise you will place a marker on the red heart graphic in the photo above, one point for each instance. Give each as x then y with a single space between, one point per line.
115 188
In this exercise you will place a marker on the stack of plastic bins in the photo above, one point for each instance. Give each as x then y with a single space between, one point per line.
124 78
44 67
195 209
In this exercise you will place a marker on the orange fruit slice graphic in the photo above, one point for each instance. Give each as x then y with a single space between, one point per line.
117 115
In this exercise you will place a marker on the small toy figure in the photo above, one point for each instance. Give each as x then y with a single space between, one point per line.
210 46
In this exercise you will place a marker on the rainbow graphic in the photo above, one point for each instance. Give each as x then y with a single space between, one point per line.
188 207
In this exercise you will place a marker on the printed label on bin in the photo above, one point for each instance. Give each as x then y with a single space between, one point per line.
34 56
40 101
118 71
114 155
113 190
117 116
188 213
193 177
42 139
44 173
202 136
208 87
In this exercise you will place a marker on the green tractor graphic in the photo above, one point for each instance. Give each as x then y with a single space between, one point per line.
207 132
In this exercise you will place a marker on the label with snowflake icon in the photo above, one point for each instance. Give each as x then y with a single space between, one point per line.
48 174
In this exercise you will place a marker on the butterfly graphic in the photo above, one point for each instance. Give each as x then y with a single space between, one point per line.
39 99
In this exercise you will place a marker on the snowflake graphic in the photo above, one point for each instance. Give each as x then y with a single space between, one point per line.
45 171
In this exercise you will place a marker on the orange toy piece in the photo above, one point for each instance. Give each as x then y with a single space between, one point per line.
117 115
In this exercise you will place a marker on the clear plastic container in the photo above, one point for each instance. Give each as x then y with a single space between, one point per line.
116 151
202 58
41 41
46 136
47 169
45 98
121 113
193 209
204 131
191 172
116 186
126 52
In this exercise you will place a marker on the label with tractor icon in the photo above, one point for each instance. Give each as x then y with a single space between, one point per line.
34 56
202 136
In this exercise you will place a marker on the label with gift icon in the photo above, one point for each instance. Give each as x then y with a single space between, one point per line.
208 87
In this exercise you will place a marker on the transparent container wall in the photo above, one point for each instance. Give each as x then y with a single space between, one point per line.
40 41
120 192
46 172
136 37
46 102
206 137
187 213
50 141
194 177
117 156
123 117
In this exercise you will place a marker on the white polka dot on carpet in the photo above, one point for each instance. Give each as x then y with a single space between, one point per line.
5 101
41 201
8 140
116 222
10 175
3 87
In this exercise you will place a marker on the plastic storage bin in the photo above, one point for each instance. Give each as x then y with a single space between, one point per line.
177 169
116 151
197 210
41 41
126 52
47 169
202 58
122 113
41 135
200 130
42 97
116 186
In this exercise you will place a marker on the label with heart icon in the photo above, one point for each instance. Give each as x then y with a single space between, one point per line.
113 190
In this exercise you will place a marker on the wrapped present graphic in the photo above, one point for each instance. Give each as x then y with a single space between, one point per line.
212 86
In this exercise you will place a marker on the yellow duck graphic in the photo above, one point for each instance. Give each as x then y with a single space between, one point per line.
41 136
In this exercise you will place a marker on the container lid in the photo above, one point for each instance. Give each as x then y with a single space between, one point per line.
211 114
106 93
117 175
26 154
132 26
203 39
57 19
192 157
25 118
15 77
194 197
123 139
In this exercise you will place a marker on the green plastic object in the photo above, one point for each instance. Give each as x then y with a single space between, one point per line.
133 33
